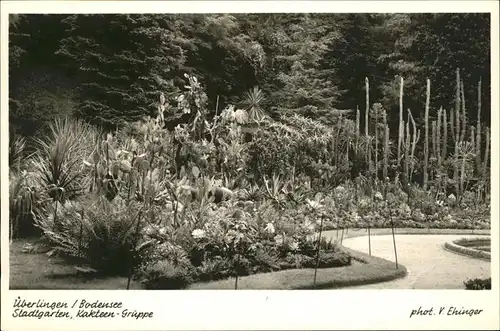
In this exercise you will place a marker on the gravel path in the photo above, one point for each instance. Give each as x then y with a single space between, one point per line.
429 265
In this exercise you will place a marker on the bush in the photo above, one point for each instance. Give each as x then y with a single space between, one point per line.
334 259
95 232
213 269
165 275
478 284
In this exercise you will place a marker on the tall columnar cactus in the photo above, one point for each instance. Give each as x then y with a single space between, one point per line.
386 147
376 112
457 107
426 141
407 154
438 137
464 116
367 111
457 134
473 137
478 129
401 123
444 149
486 152
357 128
434 139
415 139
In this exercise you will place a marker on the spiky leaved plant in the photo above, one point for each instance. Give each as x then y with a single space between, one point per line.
17 151
57 162
252 102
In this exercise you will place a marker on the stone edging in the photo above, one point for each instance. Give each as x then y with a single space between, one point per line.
455 247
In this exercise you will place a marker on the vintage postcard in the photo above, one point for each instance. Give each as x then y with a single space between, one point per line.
244 165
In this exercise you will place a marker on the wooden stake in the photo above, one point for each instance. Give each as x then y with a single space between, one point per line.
319 248
394 242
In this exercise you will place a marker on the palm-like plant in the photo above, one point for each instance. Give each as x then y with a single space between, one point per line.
252 103
17 149
58 160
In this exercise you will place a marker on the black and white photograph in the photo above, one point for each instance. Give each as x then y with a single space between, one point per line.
249 151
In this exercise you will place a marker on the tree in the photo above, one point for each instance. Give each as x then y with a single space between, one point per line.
123 63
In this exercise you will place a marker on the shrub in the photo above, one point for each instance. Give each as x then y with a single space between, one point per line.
265 260
165 275
213 269
334 259
96 233
478 284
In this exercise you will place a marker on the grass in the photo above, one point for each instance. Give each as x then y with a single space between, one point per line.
39 271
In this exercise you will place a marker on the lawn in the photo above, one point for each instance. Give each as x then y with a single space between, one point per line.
36 271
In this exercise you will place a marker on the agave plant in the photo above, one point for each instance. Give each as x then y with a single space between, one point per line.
252 103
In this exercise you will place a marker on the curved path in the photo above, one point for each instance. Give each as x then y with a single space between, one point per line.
429 265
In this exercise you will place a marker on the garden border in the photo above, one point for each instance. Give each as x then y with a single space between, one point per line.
360 272
455 247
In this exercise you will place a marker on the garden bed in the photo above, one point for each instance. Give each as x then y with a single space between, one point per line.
364 270
36 270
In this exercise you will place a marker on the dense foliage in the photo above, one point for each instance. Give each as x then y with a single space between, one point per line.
478 284
200 147
109 67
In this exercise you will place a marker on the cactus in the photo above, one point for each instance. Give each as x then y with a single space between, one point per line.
426 141
407 154
376 114
416 138
457 133
478 130
386 146
464 116
357 128
438 137
367 110
401 125
457 107
434 138
486 151
444 149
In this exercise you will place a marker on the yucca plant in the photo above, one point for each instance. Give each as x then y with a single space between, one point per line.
26 204
17 149
58 161
252 103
